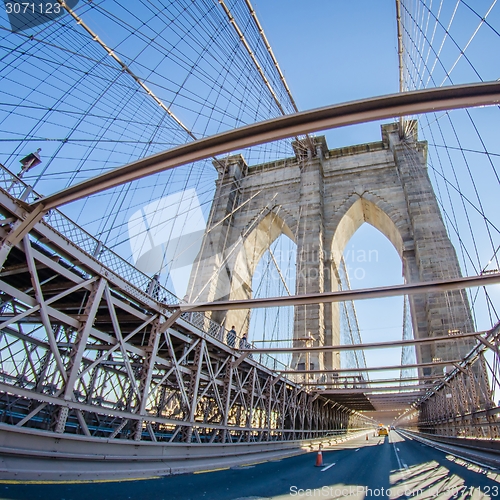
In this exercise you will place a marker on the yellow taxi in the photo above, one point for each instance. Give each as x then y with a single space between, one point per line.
382 431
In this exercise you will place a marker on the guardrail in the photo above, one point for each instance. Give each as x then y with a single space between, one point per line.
489 449
25 453
55 219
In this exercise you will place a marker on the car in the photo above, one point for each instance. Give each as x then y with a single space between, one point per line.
382 431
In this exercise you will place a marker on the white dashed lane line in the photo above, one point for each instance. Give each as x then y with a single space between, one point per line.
327 467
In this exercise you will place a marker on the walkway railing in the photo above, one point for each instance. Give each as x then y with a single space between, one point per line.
463 404
17 188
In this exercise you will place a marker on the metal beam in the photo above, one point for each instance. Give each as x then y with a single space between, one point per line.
366 390
46 321
370 345
350 378
390 399
347 295
374 368
338 115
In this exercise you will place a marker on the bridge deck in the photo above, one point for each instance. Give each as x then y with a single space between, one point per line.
390 467
92 349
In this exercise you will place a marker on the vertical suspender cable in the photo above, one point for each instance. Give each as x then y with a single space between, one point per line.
400 57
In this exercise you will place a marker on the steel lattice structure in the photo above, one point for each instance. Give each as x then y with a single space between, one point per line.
460 405
90 347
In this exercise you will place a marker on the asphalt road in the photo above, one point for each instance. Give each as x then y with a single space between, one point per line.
393 467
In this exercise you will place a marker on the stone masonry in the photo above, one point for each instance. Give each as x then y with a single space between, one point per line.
319 199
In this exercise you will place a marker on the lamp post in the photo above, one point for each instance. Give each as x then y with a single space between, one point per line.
30 161
27 163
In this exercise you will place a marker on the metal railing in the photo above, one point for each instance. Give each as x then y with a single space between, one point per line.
86 242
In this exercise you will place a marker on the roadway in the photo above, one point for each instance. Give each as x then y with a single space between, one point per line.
390 467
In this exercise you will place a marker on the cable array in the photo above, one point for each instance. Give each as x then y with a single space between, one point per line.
111 82
444 43
275 275
349 328
408 356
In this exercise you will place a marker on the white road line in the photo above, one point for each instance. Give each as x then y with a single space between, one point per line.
357 449
401 465
397 457
327 467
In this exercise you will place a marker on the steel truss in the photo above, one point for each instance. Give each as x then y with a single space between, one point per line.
463 404
85 351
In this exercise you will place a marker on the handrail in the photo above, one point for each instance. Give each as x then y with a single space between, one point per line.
89 244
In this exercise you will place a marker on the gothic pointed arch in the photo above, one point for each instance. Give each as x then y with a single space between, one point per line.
373 210
320 201
250 250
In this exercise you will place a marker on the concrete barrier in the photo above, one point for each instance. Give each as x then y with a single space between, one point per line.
29 454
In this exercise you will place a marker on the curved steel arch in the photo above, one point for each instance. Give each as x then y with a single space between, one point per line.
338 115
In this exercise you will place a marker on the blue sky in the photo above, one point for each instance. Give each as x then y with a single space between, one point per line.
332 52
88 116
335 51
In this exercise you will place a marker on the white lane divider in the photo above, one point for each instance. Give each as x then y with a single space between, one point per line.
327 467
357 449
401 465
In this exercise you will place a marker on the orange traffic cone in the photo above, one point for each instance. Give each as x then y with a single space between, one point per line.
367 437
319 458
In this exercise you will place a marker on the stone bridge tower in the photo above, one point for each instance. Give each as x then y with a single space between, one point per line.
319 199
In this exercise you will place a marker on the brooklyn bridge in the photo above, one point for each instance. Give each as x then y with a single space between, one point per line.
198 276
